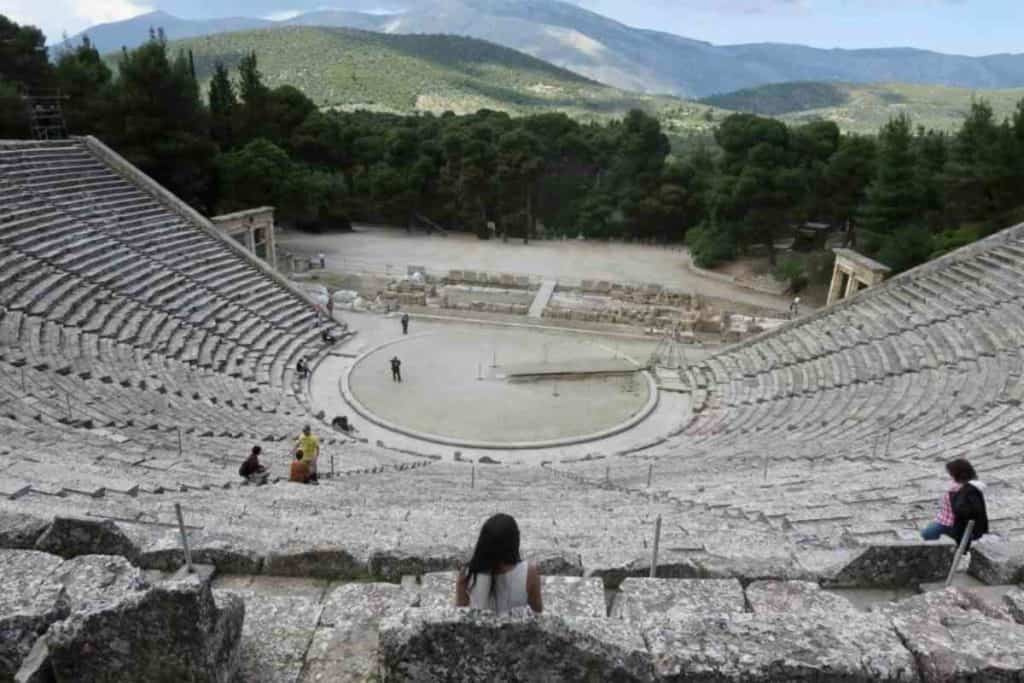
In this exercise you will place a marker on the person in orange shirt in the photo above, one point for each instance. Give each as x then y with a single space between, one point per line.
300 470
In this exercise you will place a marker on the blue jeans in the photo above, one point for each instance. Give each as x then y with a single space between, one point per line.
934 531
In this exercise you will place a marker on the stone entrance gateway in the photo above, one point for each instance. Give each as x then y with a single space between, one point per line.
854 272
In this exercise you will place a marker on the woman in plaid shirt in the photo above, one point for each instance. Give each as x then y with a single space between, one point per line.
963 502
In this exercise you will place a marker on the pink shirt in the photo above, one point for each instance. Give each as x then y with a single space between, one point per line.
945 515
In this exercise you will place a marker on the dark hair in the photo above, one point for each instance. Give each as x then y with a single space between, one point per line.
497 544
961 471
256 450
298 454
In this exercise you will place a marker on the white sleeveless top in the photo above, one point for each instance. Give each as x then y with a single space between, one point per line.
509 590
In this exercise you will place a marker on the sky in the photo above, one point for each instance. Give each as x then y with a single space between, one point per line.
971 27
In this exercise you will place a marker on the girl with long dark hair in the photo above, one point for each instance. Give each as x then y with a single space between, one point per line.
496 577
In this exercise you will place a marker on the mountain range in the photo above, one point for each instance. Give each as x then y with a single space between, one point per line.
608 51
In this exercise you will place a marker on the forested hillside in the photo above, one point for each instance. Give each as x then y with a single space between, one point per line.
903 195
622 56
349 69
864 108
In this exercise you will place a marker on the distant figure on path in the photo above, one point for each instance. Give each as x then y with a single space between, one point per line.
964 501
396 370
497 578
794 308
405 323
251 469
309 444
302 368
323 261
300 470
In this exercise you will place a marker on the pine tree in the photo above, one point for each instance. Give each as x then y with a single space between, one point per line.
223 107
893 199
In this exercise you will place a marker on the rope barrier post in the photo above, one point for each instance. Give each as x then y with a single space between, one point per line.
332 465
766 467
472 477
650 473
888 441
960 550
608 475
654 552
184 537
180 449
67 397
23 378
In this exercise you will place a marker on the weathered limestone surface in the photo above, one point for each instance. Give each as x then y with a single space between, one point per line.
29 603
229 554
71 536
437 590
1014 601
345 644
93 581
392 565
756 648
316 562
898 564
997 562
281 615
19 531
469 645
172 631
658 599
565 596
794 596
955 637
556 562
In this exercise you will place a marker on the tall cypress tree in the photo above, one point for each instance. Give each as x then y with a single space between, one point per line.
223 107
893 199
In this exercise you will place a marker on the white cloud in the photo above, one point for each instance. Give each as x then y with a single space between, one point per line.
56 17
283 15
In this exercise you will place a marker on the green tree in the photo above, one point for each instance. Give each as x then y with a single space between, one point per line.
23 68
160 124
845 180
223 106
86 80
893 199
519 164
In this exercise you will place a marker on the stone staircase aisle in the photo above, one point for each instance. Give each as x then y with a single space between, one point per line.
540 302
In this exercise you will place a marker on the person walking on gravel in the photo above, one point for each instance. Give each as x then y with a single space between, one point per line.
396 370
405 323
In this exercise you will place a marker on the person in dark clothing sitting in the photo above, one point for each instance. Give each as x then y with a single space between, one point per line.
252 470
968 503
302 368
327 336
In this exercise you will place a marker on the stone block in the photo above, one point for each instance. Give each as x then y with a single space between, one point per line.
470 645
320 562
898 564
670 566
556 562
641 599
392 565
750 568
767 648
70 537
20 531
455 277
997 562
279 625
955 636
522 282
94 581
29 603
562 595
344 647
1014 601
171 631
794 596
229 554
